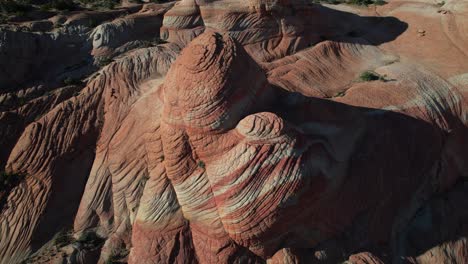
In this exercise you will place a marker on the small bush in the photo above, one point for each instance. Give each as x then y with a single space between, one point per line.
340 94
105 4
369 76
157 40
361 2
63 238
331 2
201 164
144 179
103 61
379 2
441 4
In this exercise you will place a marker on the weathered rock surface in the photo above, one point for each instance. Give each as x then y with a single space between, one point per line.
237 132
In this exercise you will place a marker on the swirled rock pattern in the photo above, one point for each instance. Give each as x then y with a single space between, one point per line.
226 131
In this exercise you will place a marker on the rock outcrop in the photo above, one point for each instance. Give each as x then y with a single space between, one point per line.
237 132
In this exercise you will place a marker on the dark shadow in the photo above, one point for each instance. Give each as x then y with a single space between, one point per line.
42 59
442 219
69 173
391 160
8 181
324 23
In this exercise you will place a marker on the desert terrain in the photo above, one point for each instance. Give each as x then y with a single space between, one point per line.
234 131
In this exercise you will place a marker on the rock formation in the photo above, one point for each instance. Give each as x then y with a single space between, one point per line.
236 132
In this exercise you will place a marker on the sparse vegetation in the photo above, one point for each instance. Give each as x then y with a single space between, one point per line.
369 76
16 101
63 238
106 4
379 2
441 4
201 164
340 94
90 239
157 40
367 2
144 179
331 2
103 61
110 260
21 7
99 4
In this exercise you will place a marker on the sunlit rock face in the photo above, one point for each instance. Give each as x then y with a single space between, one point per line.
237 132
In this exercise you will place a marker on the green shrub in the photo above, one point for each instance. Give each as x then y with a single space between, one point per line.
90 238
157 40
379 2
331 2
369 76
105 4
201 164
103 61
63 238
340 94
361 2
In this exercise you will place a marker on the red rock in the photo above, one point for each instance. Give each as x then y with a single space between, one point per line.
364 258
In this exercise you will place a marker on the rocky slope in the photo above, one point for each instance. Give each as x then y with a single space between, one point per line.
231 131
